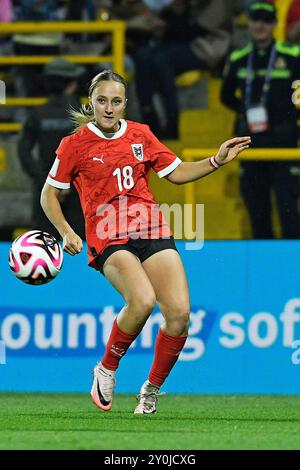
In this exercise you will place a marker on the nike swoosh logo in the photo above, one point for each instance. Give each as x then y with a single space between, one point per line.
102 400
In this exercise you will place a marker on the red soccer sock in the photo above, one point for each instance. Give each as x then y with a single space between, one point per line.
167 350
116 347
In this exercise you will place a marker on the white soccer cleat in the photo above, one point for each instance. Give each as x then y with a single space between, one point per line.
147 399
103 387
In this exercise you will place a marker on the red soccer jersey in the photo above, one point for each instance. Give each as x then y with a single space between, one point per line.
111 175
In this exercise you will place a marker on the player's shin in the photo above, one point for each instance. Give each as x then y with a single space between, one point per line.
167 350
116 347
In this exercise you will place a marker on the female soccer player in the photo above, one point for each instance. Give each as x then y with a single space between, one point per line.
109 159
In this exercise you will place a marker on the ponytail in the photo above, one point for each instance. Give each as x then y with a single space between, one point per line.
81 117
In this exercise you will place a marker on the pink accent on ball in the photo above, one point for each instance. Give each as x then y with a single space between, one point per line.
16 266
37 263
24 241
56 260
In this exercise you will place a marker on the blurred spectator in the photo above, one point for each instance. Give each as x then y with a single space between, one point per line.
36 10
29 77
258 87
6 16
6 11
293 22
157 5
141 22
88 43
194 35
44 129
80 10
248 3
74 10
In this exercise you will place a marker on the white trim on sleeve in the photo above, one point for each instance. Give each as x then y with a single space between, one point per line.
57 184
54 168
169 168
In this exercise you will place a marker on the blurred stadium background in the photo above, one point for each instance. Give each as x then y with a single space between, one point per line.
236 385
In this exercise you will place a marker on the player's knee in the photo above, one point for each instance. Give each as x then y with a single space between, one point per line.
142 305
178 319
147 304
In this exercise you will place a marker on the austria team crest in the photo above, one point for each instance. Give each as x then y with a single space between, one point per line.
138 151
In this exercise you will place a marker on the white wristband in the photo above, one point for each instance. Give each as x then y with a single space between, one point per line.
213 163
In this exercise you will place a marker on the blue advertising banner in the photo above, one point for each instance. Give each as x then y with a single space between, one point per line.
244 334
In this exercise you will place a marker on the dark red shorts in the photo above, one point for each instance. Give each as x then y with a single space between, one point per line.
142 248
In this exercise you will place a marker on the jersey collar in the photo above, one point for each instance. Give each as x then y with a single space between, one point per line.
116 135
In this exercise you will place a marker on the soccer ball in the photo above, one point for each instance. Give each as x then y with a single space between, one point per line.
35 257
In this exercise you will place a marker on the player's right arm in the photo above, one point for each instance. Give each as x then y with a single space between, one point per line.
72 243
59 178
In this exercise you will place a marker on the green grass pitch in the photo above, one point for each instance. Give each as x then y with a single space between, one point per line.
57 421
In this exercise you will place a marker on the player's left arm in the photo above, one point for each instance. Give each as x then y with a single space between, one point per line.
192 171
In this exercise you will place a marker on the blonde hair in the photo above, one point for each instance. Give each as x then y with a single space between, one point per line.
85 114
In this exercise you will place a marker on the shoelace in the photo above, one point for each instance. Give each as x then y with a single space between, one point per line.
149 399
107 385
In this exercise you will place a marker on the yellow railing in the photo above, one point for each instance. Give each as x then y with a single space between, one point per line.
116 58
116 28
10 126
282 13
262 154
3 160
33 101
44 59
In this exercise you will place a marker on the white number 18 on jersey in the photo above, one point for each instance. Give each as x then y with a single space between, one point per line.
126 172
